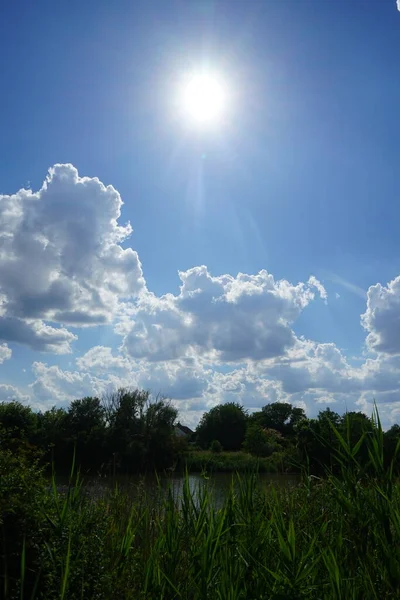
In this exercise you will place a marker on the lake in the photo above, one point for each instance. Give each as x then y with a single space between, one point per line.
134 486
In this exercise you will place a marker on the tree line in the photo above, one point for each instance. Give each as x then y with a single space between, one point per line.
127 431
282 430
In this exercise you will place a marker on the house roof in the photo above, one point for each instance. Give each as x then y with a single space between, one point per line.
184 429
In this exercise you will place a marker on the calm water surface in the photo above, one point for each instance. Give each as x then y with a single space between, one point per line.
218 484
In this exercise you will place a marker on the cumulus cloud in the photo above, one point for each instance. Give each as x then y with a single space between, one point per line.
5 353
310 375
100 370
382 317
177 350
180 379
8 393
309 365
220 338
54 385
229 318
398 5
37 335
61 259
101 359
184 379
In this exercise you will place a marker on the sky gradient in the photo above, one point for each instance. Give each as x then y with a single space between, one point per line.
254 261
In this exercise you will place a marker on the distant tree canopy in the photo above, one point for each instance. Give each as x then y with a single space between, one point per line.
225 423
318 440
126 431
280 416
18 418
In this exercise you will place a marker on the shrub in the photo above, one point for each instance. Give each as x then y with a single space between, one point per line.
216 446
260 441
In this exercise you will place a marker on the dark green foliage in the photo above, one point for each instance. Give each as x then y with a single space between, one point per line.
140 431
281 416
260 441
22 499
52 436
319 446
216 447
205 462
391 439
18 420
126 432
225 423
334 537
85 432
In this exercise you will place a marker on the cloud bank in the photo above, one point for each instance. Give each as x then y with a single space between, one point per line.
65 265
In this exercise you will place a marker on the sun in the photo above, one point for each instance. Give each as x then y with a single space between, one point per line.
203 98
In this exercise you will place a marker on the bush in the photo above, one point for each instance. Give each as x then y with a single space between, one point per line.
261 441
22 501
216 446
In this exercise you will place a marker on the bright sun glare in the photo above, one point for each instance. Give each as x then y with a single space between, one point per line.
203 98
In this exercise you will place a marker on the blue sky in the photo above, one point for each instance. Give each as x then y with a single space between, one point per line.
298 180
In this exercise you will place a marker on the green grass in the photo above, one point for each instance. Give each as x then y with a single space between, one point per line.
336 538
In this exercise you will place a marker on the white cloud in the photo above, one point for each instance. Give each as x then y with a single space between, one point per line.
5 353
100 359
53 385
382 317
99 371
227 318
311 375
220 338
178 379
313 281
61 260
398 5
9 393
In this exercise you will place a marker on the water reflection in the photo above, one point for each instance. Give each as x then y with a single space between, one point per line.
218 484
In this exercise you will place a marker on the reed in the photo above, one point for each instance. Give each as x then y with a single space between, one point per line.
334 537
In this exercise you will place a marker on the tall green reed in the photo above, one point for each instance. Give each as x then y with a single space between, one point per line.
334 537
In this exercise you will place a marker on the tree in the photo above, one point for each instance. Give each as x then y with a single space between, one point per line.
85 429
318 441
159 437
52 436
85 414
225 423
280 416
17 421
140 430
124 408
124 411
